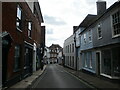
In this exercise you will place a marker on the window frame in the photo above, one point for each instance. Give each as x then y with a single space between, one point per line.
84 38
19 19
99 37
112 25
17 58
90 35
29 29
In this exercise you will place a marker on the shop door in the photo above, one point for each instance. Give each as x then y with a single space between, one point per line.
98 62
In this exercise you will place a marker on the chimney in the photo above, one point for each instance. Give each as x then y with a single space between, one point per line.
101 7
74 29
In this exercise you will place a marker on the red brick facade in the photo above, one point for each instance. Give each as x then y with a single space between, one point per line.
9 15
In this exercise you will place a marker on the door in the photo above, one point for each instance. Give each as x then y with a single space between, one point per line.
27 62
98 62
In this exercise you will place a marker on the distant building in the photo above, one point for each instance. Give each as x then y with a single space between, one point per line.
54 50
60 56
69 52
46 55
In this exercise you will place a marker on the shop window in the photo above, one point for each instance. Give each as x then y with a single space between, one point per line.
85 59
116 61
106 62
90 59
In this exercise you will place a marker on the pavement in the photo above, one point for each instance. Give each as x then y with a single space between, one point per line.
27 82
93 80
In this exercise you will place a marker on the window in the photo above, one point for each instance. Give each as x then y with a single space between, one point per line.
116 61
116 23
99 31
90 35
17 58
19 18
72 47
68 48
106 62
84 38
29 28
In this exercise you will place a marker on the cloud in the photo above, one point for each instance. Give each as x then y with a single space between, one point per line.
53 20
61 15
49 31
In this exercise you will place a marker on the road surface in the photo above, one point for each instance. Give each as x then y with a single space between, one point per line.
56 77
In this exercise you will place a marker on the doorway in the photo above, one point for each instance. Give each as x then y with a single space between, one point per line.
98 62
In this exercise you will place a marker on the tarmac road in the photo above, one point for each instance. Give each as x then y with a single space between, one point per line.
56 77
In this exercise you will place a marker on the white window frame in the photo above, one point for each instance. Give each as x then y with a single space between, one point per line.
19 18
30 29
114 36
99 25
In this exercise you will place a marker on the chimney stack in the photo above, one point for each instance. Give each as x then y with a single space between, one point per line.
101 7
74 29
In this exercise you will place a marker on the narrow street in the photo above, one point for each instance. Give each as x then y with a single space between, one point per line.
56 77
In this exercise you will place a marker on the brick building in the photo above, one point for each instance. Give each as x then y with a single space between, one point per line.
21 31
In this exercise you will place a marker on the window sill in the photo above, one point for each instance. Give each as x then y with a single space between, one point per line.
90 41
115 36
90 67
17 70
99 38
19 30
29 37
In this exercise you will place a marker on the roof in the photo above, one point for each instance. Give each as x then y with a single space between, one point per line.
55 46
90 20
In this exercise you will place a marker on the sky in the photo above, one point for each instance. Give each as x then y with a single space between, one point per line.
61 15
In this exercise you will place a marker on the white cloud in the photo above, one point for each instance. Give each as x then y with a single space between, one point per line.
61 15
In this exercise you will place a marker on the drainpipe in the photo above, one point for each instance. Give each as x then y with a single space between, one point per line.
75 50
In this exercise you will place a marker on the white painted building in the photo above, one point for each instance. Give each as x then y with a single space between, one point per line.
69 52
60 56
